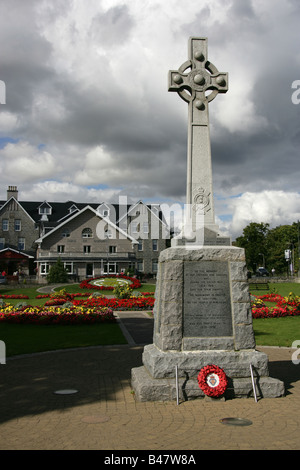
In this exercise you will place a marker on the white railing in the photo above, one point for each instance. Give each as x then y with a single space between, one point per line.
76 254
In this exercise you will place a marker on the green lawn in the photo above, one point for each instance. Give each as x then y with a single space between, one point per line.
24 339
282 288
276 331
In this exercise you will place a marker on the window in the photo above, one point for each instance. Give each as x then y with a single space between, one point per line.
44 268
145 227
113 249
110 268
154 266
140 266
87 249
105 213
17 225
68 267
2 243
72 209
87 233
21 243
140 245
66 233
60 248
5 225
154 245
47 210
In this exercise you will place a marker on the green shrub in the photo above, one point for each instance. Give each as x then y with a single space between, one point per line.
57 273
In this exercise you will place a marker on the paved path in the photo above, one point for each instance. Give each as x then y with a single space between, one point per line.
103 414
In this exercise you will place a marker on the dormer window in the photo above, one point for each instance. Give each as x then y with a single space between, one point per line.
72 209
45 209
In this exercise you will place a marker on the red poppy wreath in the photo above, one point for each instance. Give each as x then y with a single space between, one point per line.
212 380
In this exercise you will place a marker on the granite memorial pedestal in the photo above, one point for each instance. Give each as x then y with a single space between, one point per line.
202 316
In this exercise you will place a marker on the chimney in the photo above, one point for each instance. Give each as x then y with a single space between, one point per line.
12 192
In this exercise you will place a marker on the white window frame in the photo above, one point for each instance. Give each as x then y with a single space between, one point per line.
5 225
44 268
155 244
21 243
71 264
17 225
46 210
140 266
154 265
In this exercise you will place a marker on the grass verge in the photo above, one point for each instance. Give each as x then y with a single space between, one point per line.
25 339
276 331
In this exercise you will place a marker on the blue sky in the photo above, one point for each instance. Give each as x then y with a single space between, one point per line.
88 116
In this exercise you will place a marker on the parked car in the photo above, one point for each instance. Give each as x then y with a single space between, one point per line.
262 272
3 279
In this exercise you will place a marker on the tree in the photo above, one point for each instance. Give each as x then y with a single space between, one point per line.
282 238
254 241
57 273
264 246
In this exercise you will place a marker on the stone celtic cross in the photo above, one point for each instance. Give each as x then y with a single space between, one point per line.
198 82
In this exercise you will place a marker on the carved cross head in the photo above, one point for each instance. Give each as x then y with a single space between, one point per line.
198 81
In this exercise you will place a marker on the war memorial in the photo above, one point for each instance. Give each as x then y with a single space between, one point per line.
203 340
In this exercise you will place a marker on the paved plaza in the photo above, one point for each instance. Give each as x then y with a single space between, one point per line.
103 413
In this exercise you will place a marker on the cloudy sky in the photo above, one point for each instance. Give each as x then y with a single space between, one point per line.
88 116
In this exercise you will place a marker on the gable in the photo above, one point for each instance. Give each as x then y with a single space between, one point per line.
12 205
87 218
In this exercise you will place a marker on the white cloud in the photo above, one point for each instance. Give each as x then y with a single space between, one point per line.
87 100
272 207
21 162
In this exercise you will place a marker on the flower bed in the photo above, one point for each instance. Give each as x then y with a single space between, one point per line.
87 283
285 306
52 315
13 296
134 303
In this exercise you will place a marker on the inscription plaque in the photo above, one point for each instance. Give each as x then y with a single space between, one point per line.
206 301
